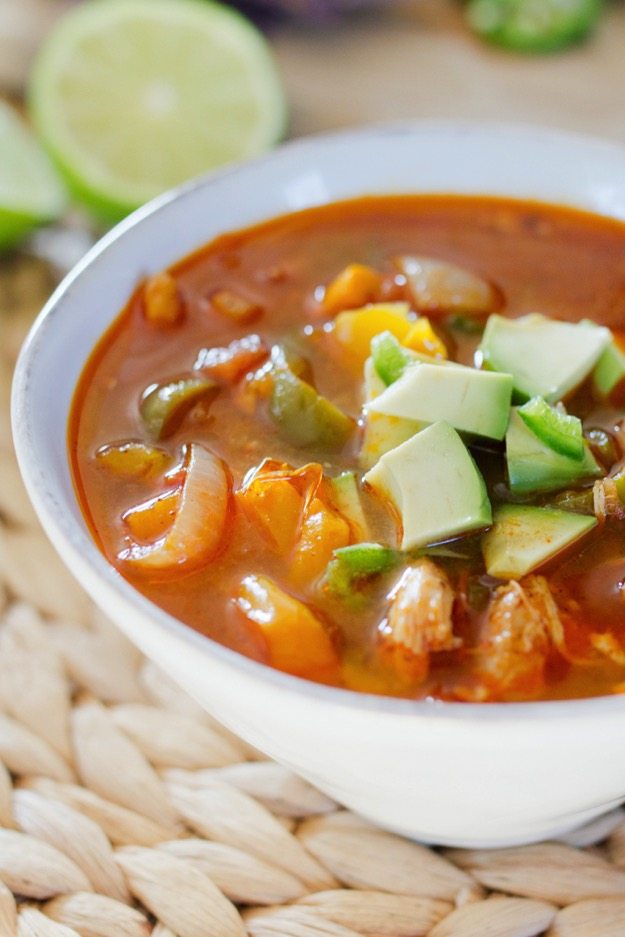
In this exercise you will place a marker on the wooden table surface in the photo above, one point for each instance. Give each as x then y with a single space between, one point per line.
419 60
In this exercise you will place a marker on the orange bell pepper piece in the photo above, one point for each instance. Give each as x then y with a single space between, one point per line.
353 287
275 498
323 531
296 640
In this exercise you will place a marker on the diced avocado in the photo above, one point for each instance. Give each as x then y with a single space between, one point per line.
390 358
558 430
434 485
346 497
357 562
381 433
608 378
546 358
524 537
471 401
533 466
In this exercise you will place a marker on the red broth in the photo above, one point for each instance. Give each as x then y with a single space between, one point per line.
560 262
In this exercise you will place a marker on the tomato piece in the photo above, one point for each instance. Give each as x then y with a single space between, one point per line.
232 362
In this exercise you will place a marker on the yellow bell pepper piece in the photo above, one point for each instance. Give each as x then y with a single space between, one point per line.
354 330
422 338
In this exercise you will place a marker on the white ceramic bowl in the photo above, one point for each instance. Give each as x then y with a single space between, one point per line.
479 775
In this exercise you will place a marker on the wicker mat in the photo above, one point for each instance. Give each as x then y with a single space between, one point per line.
127 811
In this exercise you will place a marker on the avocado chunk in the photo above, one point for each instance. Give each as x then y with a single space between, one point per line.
546 358
523 538
608 378
346 497
471 401
381 433
533 466
434 485
558 430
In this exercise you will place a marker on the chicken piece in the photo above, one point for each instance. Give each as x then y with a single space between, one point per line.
419 620
607 502
522 623
606 644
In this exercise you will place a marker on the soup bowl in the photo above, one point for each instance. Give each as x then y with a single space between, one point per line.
449 773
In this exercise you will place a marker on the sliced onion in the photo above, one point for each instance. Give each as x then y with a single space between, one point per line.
437 286
198 528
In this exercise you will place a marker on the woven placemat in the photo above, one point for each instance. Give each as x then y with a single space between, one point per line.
126 811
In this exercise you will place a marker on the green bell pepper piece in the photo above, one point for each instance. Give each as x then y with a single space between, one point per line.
355 563
558 430
304 417
389 357
163 407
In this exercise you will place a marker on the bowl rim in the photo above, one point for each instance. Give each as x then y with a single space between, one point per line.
80 546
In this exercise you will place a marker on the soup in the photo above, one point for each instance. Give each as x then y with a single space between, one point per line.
379 445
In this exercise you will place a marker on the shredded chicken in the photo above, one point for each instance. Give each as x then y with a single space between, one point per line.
606 644
607 502
522 622
419 620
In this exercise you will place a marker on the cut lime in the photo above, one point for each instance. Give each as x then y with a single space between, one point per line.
30 191
132 97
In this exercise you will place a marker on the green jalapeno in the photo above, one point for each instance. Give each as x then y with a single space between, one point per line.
533 25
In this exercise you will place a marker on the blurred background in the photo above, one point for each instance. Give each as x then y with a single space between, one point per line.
87 100
347 62
386 59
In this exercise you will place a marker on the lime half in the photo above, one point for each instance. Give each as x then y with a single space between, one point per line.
132 97
30 191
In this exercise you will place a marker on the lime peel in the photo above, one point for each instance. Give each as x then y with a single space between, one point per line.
133 97
30 191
